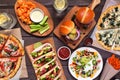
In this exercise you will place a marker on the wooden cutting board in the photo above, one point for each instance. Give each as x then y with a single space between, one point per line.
50 40
46 13
84 31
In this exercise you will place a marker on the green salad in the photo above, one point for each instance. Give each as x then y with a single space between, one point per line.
85 63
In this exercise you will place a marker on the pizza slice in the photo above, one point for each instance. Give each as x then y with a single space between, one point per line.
106 38
9 67
3 39
110 18
12 48
117 41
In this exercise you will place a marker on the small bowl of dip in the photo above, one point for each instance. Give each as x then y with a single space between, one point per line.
36 15
64 53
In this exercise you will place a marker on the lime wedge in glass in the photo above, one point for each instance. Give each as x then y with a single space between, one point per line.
59 4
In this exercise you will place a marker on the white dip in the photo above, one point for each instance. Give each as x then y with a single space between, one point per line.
36 16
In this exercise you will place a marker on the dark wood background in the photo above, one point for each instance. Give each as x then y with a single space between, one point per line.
8 6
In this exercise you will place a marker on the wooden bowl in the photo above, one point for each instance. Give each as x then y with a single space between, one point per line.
46 12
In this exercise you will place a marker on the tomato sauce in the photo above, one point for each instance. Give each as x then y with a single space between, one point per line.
64 52
88 42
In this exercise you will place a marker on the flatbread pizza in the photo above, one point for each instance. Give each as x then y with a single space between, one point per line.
9 67
116 45
11 52
106 38
12 48
110 18
108 27
3 39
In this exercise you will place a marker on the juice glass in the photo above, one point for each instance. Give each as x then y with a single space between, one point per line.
60 5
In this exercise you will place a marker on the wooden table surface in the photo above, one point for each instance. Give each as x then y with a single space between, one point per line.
8 6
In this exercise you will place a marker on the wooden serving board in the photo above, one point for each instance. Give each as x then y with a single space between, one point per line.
46 12
50 40
84 31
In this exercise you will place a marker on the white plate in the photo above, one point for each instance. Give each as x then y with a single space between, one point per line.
88 78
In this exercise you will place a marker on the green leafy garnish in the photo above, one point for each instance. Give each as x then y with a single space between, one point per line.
36 45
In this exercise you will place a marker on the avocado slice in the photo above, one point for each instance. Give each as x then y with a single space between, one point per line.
85 60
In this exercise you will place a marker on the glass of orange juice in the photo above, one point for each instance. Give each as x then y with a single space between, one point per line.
60 5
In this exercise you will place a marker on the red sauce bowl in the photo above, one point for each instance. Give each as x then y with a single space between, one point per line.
64 53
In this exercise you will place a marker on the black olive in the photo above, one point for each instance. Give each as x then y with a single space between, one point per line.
112 23
13 64
83 72
101 25
106 42
116 9
100 37
118 24
103 19
107 15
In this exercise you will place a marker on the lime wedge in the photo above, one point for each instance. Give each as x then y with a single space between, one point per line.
60 4
36 45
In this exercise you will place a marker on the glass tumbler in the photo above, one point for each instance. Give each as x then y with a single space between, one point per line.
60 5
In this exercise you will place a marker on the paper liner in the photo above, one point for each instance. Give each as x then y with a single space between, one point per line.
22 72
95 42
108 72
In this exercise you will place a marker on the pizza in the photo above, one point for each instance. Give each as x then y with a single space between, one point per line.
117 41
3 39
108 28
106 38
12 48
11 52
45 63
110 18
9 67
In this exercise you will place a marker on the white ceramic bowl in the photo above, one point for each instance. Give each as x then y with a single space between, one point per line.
61 48
36 15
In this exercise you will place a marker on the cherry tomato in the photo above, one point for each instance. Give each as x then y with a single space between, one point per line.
8 50
13 59
2 66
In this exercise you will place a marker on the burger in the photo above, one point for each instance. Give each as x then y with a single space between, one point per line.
69 30
85 15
